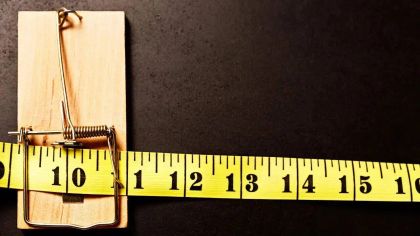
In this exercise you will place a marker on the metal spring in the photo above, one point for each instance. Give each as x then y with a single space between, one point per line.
86 131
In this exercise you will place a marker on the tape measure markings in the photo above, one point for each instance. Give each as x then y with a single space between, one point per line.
85 171
10 164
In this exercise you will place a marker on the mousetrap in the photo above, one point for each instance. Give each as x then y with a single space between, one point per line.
71 93
72 98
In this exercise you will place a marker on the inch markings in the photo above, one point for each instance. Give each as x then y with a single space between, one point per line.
210 176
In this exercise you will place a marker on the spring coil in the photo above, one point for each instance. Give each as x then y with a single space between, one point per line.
86 131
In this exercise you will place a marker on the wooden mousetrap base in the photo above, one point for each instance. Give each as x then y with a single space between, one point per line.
94 59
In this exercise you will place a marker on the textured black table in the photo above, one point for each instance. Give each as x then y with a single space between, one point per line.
336 79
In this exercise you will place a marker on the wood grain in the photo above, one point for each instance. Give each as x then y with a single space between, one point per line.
94 52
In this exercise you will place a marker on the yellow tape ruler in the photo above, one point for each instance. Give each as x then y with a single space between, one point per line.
87 171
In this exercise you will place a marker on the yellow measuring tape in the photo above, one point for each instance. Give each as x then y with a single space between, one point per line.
87 171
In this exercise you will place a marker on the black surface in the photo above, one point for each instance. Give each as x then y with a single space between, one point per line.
336 79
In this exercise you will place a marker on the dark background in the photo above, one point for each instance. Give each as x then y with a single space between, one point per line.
336 79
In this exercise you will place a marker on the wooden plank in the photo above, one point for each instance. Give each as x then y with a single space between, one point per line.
94 52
